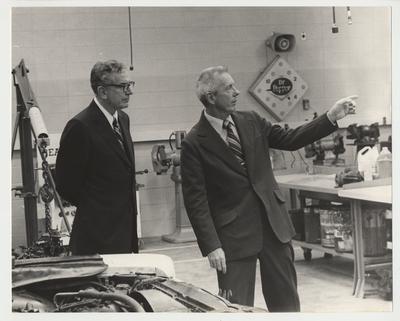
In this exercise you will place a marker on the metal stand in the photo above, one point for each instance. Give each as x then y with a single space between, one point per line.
23 123
184 232
25 101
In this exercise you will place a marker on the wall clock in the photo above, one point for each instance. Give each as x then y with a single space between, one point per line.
278 88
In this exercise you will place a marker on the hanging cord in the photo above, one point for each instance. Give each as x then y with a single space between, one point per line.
45 191
333 15
293 160
305 163
48 191
130 38
335 29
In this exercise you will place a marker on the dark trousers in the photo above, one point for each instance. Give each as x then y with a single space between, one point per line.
278 276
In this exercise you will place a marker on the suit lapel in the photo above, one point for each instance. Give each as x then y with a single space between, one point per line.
212 141
127 137
104 129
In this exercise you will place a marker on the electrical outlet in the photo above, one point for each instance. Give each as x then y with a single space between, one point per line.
306 104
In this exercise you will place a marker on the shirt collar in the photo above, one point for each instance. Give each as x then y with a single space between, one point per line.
216 122
109 117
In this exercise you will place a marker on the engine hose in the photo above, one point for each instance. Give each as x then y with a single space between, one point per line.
131 303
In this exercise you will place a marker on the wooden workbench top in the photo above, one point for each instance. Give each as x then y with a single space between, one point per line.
326 184
381 194
309 182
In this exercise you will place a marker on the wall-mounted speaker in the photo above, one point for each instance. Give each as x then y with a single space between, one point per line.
281 42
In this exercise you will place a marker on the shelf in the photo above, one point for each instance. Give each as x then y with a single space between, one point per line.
369 260
319 247
372 260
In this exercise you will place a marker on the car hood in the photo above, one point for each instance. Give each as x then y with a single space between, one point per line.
33 281
29 271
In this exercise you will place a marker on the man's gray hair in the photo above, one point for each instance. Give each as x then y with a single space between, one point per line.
206 83
102 71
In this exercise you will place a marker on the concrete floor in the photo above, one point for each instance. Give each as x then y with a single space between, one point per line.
324 285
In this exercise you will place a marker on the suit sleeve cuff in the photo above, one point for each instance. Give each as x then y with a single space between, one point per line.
333 122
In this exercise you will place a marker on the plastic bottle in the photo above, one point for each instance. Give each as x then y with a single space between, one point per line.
366 159
384 163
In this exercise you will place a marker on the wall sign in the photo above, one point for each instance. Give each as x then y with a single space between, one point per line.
279 88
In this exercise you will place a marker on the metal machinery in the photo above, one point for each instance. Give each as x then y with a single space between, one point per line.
162 161
363 135
326 150
29 121
348 176
109 283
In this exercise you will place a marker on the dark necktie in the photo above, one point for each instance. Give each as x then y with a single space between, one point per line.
118 133
234 141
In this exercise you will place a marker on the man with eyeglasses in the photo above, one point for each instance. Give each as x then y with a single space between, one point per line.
95 167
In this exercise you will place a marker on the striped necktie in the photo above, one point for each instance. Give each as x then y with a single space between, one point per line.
234 141
118 133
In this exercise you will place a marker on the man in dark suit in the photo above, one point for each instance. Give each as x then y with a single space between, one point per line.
232 198
95 167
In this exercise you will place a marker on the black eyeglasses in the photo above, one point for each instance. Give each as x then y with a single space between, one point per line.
126 86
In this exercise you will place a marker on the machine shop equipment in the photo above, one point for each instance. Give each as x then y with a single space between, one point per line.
326 151
29 121
348 176
363 135
162 161
109 283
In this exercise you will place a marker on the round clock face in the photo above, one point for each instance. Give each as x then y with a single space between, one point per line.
278 88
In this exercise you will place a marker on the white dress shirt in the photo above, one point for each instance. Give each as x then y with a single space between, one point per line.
217 123
110 118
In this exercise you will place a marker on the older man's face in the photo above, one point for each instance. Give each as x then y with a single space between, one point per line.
226 94
119 90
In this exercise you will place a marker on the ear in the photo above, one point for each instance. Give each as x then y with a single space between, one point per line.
101 92
210 98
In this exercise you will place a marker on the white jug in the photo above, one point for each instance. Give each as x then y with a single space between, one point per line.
366 161
384 163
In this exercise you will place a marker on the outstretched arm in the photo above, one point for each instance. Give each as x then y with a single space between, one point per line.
342 107
293 139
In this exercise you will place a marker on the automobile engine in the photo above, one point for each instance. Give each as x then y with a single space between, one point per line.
87 284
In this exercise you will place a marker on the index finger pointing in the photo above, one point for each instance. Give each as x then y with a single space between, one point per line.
353 97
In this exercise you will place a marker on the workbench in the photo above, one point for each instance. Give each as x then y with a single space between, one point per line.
313 186
322 187
375 194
